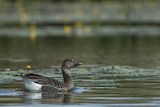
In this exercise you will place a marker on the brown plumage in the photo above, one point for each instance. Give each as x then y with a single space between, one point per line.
35 82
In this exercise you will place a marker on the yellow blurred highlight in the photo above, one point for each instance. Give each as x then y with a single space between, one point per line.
33 32
78 24
23 14
28 66
67 29
79 28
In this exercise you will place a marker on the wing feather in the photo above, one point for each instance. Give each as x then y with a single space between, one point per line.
45 81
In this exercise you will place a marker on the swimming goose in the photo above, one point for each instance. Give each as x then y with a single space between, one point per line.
35 82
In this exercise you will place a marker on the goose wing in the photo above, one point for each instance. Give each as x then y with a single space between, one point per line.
44 81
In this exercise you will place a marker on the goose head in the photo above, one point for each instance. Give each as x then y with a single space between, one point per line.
70 63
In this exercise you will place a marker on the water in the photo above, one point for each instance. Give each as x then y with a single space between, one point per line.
95 85
47 52
116 72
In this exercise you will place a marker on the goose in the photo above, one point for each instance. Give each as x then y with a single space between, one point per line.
36 82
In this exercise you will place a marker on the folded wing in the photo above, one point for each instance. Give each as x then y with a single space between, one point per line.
47 83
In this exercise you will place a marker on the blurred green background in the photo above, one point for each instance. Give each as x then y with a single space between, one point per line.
82 18
111 32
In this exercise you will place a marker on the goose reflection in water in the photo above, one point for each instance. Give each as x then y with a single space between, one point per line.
59 97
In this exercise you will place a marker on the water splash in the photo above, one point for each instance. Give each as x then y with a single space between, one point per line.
79 90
